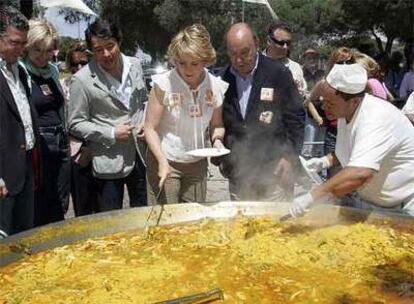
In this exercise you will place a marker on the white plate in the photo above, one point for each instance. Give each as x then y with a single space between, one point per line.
313 175
209 152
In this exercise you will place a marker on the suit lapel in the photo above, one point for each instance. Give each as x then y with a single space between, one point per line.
7 95
101 82
234 97
257 84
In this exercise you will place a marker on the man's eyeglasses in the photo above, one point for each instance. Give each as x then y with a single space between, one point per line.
280 42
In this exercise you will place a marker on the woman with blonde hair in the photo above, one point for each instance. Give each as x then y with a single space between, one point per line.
375 86
52 195
183 104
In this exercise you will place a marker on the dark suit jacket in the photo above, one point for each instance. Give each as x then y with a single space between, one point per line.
256 146
12 137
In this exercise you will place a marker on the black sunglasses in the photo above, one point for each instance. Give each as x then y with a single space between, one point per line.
280 42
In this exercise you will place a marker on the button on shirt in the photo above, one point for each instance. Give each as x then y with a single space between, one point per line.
20 98
244 86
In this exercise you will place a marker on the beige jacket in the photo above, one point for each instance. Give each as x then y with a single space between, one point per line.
95 111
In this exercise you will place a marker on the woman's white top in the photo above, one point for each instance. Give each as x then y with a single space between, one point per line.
187 113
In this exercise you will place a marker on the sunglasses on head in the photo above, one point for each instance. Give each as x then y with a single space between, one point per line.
76 64
349 61
279 42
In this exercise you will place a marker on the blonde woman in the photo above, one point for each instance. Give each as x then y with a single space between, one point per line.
52 195
375 85
183 104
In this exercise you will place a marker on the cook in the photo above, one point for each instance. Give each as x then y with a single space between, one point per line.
375 146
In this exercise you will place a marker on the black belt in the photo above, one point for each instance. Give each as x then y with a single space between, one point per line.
52 129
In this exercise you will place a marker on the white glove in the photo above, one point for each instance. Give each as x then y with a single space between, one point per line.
300 205
3 234
318 164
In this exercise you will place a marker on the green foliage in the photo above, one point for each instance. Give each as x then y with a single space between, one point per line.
325 23
64 45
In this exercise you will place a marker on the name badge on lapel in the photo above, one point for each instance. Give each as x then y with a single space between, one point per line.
46 89
173 100
266 94
209 98
266 117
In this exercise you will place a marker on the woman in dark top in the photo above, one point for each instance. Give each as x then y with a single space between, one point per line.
52 195
83 184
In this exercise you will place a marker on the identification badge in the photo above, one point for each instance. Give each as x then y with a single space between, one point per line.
266 94
194 110
46 89
209 98
266 117
173 100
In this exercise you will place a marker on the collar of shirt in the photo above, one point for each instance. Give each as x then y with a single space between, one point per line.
121 89
248 77
11 72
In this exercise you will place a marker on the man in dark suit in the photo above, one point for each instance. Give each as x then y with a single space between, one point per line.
264 120
17 136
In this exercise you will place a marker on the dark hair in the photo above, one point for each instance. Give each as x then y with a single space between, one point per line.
10 16
347 96
102 28
278 25
78 46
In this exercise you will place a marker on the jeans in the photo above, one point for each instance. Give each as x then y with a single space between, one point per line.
84 190
111 191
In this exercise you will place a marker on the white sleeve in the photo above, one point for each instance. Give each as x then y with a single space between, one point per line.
408 108
220 88
371 144
162 81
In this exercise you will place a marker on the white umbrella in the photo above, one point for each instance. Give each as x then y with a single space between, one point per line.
265 2
76 5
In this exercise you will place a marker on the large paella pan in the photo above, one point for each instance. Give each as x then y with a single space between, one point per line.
332 255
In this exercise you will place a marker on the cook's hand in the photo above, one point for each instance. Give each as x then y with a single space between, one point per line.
218 144
123 131
3 188
284 172
164 171
300 205
140 131
318 164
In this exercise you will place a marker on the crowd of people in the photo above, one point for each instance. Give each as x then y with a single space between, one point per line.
98 131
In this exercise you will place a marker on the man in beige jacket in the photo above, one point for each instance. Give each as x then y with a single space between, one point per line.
106 109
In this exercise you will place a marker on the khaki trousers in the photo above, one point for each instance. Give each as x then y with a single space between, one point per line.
186 183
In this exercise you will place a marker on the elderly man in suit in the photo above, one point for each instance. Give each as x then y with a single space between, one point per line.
17 129
106 109
264 120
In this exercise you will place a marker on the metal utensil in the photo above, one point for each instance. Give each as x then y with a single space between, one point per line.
198 298
157 198
285 217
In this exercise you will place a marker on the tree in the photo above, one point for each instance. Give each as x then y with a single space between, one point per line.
390 18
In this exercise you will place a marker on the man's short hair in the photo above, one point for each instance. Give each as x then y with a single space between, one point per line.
104 29
10 16
278 25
